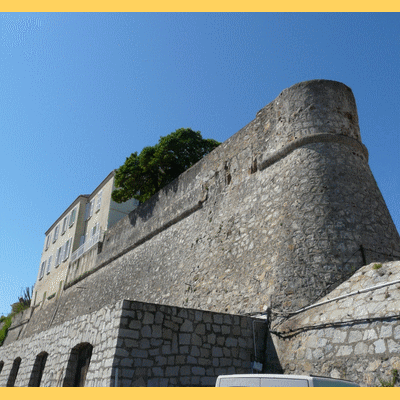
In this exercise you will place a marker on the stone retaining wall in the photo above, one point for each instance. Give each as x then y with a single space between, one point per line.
355 338
140 344
100 329
170 346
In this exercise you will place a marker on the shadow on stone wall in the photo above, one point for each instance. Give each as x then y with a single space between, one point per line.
272 364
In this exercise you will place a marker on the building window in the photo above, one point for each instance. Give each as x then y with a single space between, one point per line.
66 249
89 209
58 257
72 217
55 233
49 265
64 225
14 372
95 230
41 272
47 242
38 368
98 204
78 365
1 365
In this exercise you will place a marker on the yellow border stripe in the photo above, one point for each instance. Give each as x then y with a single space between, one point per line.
204 6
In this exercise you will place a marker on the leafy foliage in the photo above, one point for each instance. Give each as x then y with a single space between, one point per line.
146 173
24 302
4 329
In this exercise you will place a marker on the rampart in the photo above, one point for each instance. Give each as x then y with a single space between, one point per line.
278 215
275 218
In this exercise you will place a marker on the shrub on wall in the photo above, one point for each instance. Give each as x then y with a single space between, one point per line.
4 329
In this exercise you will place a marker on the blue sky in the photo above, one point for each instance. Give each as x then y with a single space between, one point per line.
81 92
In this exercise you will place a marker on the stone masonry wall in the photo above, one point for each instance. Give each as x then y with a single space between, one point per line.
289 195
278 216
170 346
138 344
355 338
100 329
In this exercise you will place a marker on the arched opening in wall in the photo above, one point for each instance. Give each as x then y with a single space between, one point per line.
78 365
38 368
14 372
1 365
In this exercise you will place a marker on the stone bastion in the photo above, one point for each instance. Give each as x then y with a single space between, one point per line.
276 217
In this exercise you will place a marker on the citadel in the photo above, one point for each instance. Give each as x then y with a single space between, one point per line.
275 253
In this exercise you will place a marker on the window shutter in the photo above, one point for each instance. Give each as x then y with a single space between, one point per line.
56 233
41 273
49 265
66 249
64 225
91 208
58 256
62 253
72 217
99 200
48 241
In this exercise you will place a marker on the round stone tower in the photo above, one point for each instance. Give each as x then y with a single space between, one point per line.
331 218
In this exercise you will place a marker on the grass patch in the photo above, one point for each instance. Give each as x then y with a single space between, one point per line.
391 382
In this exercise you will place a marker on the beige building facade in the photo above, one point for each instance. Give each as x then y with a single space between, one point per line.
75 234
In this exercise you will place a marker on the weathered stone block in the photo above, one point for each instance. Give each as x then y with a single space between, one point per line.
184 338
216 352
394 347
196 340
185 370
198 371
156 331
144 344
380 346
191 360
370 334
355 336
146 331
157 371
386 331
160 360
172 371
187 326
200 329
139 353
231 342
195 352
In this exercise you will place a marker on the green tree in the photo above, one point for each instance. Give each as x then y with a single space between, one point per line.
146 173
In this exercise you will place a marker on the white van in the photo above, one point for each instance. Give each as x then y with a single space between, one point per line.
268 380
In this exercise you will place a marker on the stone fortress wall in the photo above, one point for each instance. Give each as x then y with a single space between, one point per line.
289 195
276 217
